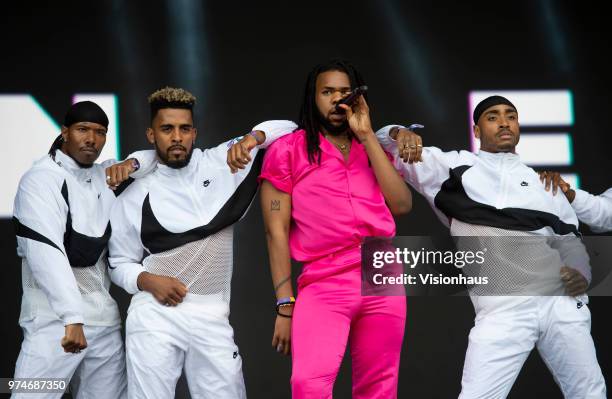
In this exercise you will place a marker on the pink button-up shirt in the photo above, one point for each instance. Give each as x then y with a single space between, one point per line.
333 205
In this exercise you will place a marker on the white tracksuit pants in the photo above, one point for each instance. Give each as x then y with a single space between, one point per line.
195 336
98 372
507 329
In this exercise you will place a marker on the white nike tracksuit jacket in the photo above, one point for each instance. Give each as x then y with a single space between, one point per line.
179 223
494 194
61 218
594 210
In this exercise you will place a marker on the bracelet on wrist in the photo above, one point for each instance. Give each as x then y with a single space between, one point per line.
255 136
284 302
135 164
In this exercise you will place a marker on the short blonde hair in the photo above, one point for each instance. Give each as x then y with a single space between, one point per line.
172 95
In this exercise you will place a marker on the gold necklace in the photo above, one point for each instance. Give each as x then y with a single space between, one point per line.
341 147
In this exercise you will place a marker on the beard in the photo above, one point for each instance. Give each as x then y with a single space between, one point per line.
334 130
173 163
509 146
81 165
506 147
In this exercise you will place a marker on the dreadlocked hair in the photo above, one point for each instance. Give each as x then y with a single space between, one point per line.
309 113
57 144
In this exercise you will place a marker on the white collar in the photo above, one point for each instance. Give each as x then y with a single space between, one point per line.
499 156
67 163
191 166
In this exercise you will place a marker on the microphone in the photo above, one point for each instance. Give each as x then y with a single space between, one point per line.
415 126
351 98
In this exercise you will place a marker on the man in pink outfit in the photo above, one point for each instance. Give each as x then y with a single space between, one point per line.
326 187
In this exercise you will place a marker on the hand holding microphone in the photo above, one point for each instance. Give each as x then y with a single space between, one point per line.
351 98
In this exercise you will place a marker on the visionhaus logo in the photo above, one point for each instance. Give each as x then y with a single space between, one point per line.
477 265
387 269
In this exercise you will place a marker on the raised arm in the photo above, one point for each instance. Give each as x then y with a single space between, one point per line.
138 164
396 193
261 136
594 210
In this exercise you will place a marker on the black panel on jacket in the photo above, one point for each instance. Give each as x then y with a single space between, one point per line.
24 231
121 187
157 239
454 202
82 250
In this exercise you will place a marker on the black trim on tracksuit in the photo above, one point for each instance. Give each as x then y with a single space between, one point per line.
82 250
24 231
454 202
157 239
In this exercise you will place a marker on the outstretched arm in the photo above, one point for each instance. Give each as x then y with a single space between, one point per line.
138 164
261 136
594 210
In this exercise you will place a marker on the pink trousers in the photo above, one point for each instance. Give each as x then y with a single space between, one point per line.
331 312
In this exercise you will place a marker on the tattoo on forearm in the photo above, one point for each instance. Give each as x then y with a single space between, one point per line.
275 205
283 281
